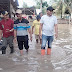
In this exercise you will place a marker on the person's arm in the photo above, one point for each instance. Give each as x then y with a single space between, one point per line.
11 30
15 35
7 30
33 26
12 25
0 34
15 31
1 30
40 30
29 30
32 29
41 26
56 30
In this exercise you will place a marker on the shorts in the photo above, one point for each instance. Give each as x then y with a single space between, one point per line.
37 37
8 40
44 41
22 40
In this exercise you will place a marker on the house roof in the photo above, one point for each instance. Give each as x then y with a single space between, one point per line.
28 11
4 5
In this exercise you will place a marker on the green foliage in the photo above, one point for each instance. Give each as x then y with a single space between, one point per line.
56 0
38 5
68 7
67 1
44 4
61 7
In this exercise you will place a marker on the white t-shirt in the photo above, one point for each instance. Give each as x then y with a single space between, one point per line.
48 24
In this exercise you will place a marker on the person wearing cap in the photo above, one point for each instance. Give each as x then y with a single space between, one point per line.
40 14
48 24
21 29
6 32
36 25
30 19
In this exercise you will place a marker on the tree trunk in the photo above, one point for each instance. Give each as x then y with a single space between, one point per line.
71 12
61 8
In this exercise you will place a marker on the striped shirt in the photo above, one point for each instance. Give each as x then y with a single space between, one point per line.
21 27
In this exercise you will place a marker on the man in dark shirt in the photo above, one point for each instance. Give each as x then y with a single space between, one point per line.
21 26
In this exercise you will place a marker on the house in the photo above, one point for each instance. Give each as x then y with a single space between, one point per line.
9 5
29 11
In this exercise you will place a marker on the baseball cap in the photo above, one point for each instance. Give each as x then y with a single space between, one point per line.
5 13
38 17
50 8
18 11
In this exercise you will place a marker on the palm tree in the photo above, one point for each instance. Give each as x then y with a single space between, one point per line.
69 5
59 7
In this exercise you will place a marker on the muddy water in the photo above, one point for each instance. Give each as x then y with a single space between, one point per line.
60 59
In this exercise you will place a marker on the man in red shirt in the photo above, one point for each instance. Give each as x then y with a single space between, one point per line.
6 32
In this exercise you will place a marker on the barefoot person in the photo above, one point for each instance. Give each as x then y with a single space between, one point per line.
36 25
21 28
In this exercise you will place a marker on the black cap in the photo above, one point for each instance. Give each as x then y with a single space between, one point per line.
50 8
30 17
38 17
5 13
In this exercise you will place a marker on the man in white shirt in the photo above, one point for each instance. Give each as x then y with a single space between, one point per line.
48 23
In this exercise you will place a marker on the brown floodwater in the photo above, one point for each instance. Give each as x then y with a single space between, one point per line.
60 59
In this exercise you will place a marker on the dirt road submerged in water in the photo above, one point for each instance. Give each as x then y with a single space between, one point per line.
60 59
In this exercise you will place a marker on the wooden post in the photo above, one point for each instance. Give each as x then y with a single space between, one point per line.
41 6
9 10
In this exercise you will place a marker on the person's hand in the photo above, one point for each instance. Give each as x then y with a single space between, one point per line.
31 38
15 39
32 32
56 35
0 38
40 36
7 30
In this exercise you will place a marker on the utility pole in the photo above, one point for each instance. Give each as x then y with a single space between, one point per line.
71 12
41 5
61 9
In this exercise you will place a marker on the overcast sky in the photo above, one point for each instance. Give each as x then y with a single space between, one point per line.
29 2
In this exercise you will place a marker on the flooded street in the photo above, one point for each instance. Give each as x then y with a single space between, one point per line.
60 59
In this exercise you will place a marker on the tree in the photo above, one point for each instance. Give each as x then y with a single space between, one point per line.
58 5
44 4
41 4
24 5
69 6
